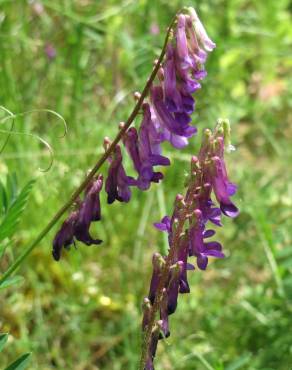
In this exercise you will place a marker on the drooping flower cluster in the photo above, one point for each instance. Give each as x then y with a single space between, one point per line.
166 117
188 232
76 226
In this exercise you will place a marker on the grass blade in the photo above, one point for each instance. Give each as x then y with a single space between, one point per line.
20 364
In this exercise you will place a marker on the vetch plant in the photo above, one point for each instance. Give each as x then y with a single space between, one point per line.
166 104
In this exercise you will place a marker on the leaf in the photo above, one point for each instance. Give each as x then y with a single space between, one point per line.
3 340
11 187
20 364
11 219
15 280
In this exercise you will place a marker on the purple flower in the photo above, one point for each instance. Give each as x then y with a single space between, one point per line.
173 287
223 189
151 129
164 224
198 247
118 184
209 211
143 159
89 211
130 140
65 236
200 31
199 54
182 43
183 257
173 98
177 125
77 225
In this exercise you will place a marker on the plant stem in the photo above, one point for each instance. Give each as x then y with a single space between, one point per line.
97 166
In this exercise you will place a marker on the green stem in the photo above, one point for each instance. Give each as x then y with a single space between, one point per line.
97 166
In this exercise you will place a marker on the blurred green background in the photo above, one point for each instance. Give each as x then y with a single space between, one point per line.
84 312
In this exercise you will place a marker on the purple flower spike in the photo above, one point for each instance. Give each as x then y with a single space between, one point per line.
65 236
118 184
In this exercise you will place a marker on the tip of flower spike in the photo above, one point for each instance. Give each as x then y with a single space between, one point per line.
121 125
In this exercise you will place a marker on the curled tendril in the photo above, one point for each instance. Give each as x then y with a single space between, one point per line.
13 116
46 144
11 131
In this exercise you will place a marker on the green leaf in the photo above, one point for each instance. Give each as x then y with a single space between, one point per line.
15 280
20 364
3 340
11 219
11 187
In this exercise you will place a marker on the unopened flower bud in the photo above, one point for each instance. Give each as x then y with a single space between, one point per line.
137 95
121 125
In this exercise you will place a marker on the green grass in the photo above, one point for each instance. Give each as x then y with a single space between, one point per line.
84 313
